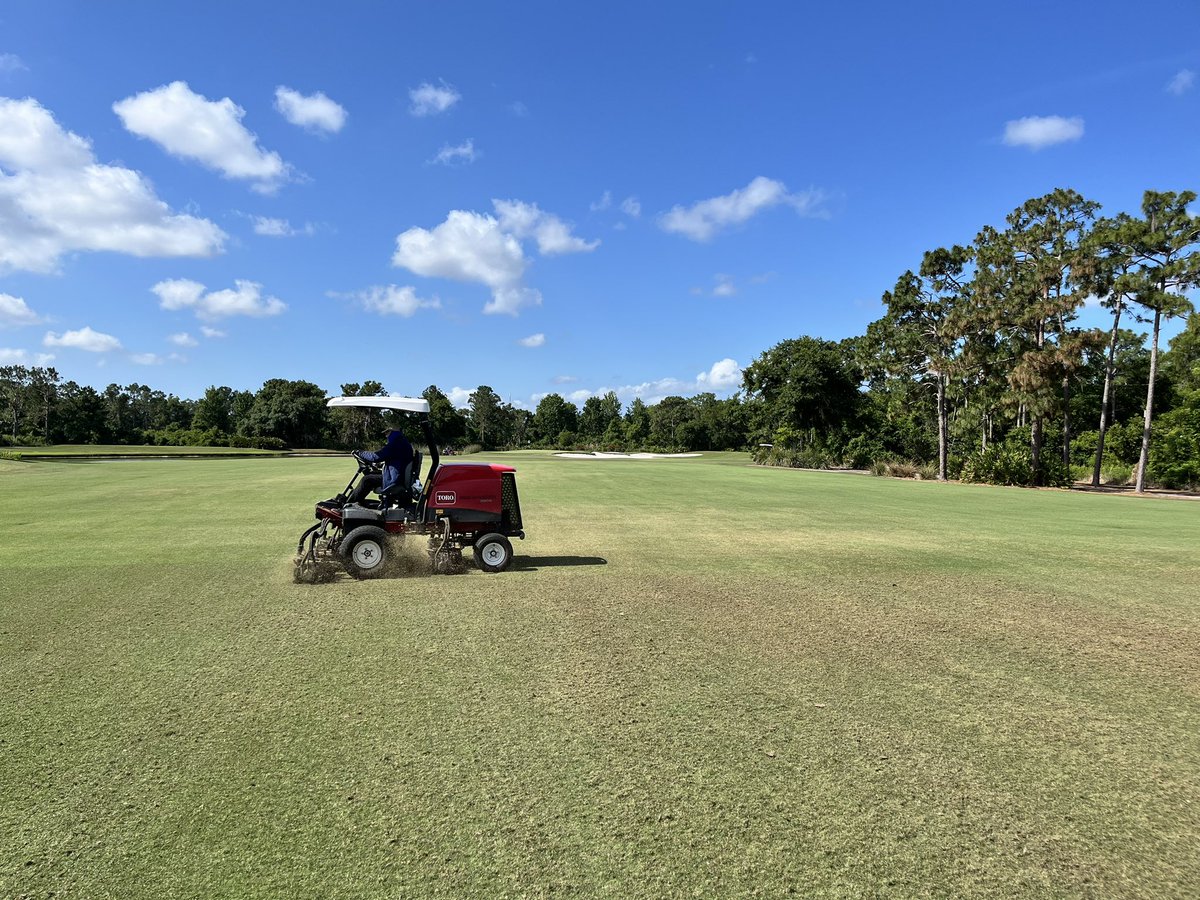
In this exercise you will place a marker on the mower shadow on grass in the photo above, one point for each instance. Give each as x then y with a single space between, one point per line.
533 563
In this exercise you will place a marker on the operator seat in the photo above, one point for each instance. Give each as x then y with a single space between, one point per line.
402 492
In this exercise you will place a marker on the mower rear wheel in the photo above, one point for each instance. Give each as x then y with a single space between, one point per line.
493 553
365 551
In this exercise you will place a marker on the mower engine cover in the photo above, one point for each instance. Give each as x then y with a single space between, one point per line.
474 496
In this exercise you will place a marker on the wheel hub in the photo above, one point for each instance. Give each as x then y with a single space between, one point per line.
366 554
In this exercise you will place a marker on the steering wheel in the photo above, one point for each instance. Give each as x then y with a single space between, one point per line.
364 465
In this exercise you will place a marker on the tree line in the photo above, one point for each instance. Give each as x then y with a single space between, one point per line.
39 408
992 328
977 369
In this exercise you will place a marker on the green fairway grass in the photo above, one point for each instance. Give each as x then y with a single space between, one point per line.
133 450
699 678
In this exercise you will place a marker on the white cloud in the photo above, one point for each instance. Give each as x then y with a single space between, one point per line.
245 299
458 396
56 198
564 379
178 293
479 248
182 339
10 62
316 112
725 375
724 287
1036 132
701 221
470 247
518 109
146 359
83 339
14 312
510 301
1182 82
212 332
30 140
391 300
534 340
463 153
552 234
466 247
191 126
13 356
430 99
269 227
631 206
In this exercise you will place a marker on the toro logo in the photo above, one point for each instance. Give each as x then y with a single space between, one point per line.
446 498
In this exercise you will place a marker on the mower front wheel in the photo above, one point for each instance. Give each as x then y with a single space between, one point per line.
493 553
365 551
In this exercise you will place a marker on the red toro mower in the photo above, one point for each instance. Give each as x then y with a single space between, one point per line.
460 505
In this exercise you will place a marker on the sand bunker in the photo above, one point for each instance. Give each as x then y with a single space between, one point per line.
626 455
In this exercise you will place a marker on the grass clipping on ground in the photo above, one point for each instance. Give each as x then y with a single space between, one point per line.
699 677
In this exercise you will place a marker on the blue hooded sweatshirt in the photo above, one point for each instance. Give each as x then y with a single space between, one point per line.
396 454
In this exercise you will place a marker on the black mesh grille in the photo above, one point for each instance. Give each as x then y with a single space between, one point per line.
508 500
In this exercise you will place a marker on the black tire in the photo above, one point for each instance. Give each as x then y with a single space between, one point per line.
493 553
366 551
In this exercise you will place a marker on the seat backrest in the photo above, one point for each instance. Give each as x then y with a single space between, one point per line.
403 486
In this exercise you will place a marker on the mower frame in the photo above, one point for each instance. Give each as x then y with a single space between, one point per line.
461 505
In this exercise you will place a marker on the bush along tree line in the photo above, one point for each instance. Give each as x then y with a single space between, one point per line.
978 369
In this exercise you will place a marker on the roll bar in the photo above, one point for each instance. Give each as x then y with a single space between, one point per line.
431 442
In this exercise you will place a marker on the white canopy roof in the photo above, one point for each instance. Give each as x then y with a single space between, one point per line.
402 404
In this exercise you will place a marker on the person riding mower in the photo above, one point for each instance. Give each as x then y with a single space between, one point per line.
399 482
461 506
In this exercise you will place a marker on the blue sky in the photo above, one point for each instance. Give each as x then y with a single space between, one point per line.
537 196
